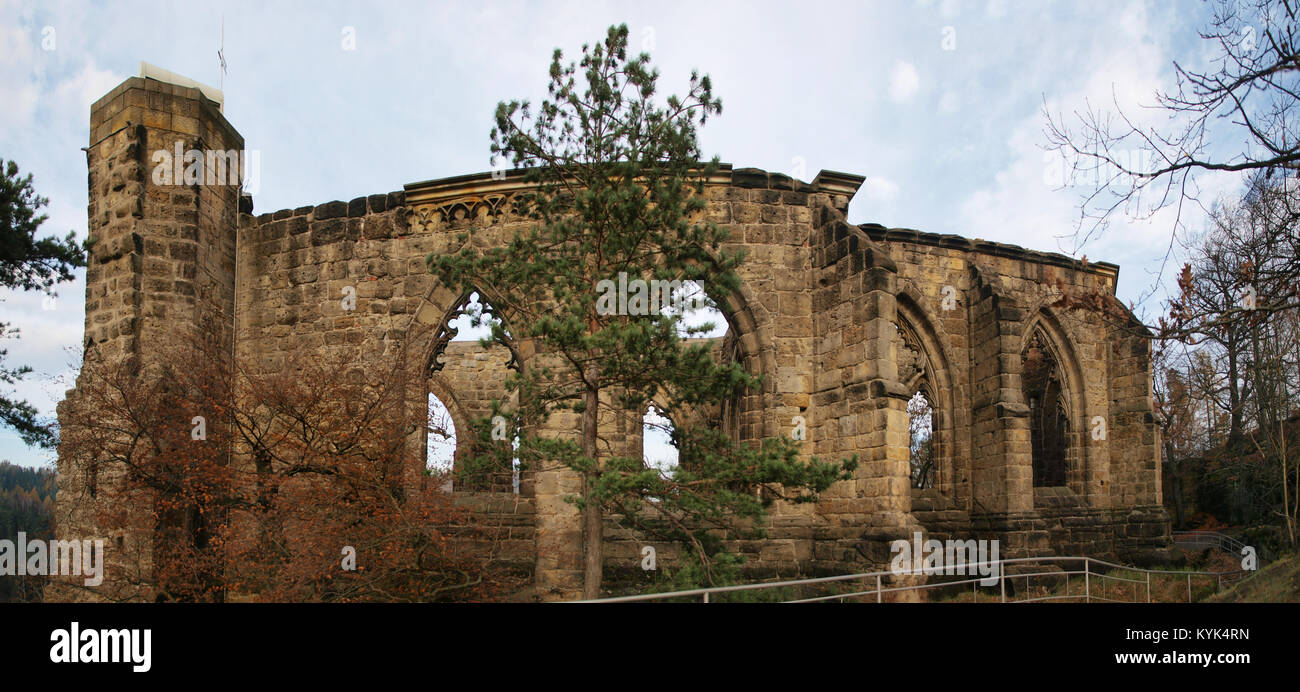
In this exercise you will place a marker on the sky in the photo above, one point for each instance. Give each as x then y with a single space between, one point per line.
939 104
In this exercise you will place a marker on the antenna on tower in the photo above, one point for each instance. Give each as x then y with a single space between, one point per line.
221 55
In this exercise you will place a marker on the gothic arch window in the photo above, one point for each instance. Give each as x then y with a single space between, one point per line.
471 320
917 375
920 416
1049 419
461 374
702 320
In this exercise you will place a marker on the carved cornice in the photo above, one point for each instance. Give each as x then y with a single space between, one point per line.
504 183
458 213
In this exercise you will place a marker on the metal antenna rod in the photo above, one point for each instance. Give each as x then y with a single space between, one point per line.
221 57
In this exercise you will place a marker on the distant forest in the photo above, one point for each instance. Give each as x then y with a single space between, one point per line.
26 505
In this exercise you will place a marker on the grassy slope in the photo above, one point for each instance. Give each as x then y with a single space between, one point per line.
1276 583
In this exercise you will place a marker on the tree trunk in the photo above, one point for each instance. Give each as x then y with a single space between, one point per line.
1175 485
592 526
1235 403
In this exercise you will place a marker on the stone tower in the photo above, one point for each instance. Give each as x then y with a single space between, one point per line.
162 213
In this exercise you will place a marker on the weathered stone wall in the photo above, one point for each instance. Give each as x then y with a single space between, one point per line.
472 378
163 258
843 322
978 303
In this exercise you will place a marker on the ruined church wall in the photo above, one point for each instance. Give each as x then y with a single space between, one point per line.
1001 294
816 316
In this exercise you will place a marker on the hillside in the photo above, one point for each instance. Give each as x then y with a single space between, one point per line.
1279 582
27 506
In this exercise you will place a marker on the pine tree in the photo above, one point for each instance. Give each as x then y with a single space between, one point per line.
614 185
28 264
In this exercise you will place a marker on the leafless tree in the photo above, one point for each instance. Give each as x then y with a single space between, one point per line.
1237 113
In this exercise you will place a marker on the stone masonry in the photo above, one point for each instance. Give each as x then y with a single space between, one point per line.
845 323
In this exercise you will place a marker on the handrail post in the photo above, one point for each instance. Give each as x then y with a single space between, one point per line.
706 596
877 588
1189 587
1087 583
1002 579
1148 586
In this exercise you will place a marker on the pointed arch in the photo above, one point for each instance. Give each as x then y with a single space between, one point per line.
1052 383
924 364
744 325
743 417
444 333
429 337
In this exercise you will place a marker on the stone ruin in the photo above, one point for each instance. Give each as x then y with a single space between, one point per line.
846 324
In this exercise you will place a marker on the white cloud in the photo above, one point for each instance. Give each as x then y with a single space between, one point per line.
1023 202
879 189
82 89
950 102
18 92
903 82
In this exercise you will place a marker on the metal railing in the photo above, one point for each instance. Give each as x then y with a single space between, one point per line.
1201 540
877 580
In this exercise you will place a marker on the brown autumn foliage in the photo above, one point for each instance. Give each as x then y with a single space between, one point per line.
303 484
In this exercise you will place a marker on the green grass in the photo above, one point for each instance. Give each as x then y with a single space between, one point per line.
1279 582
